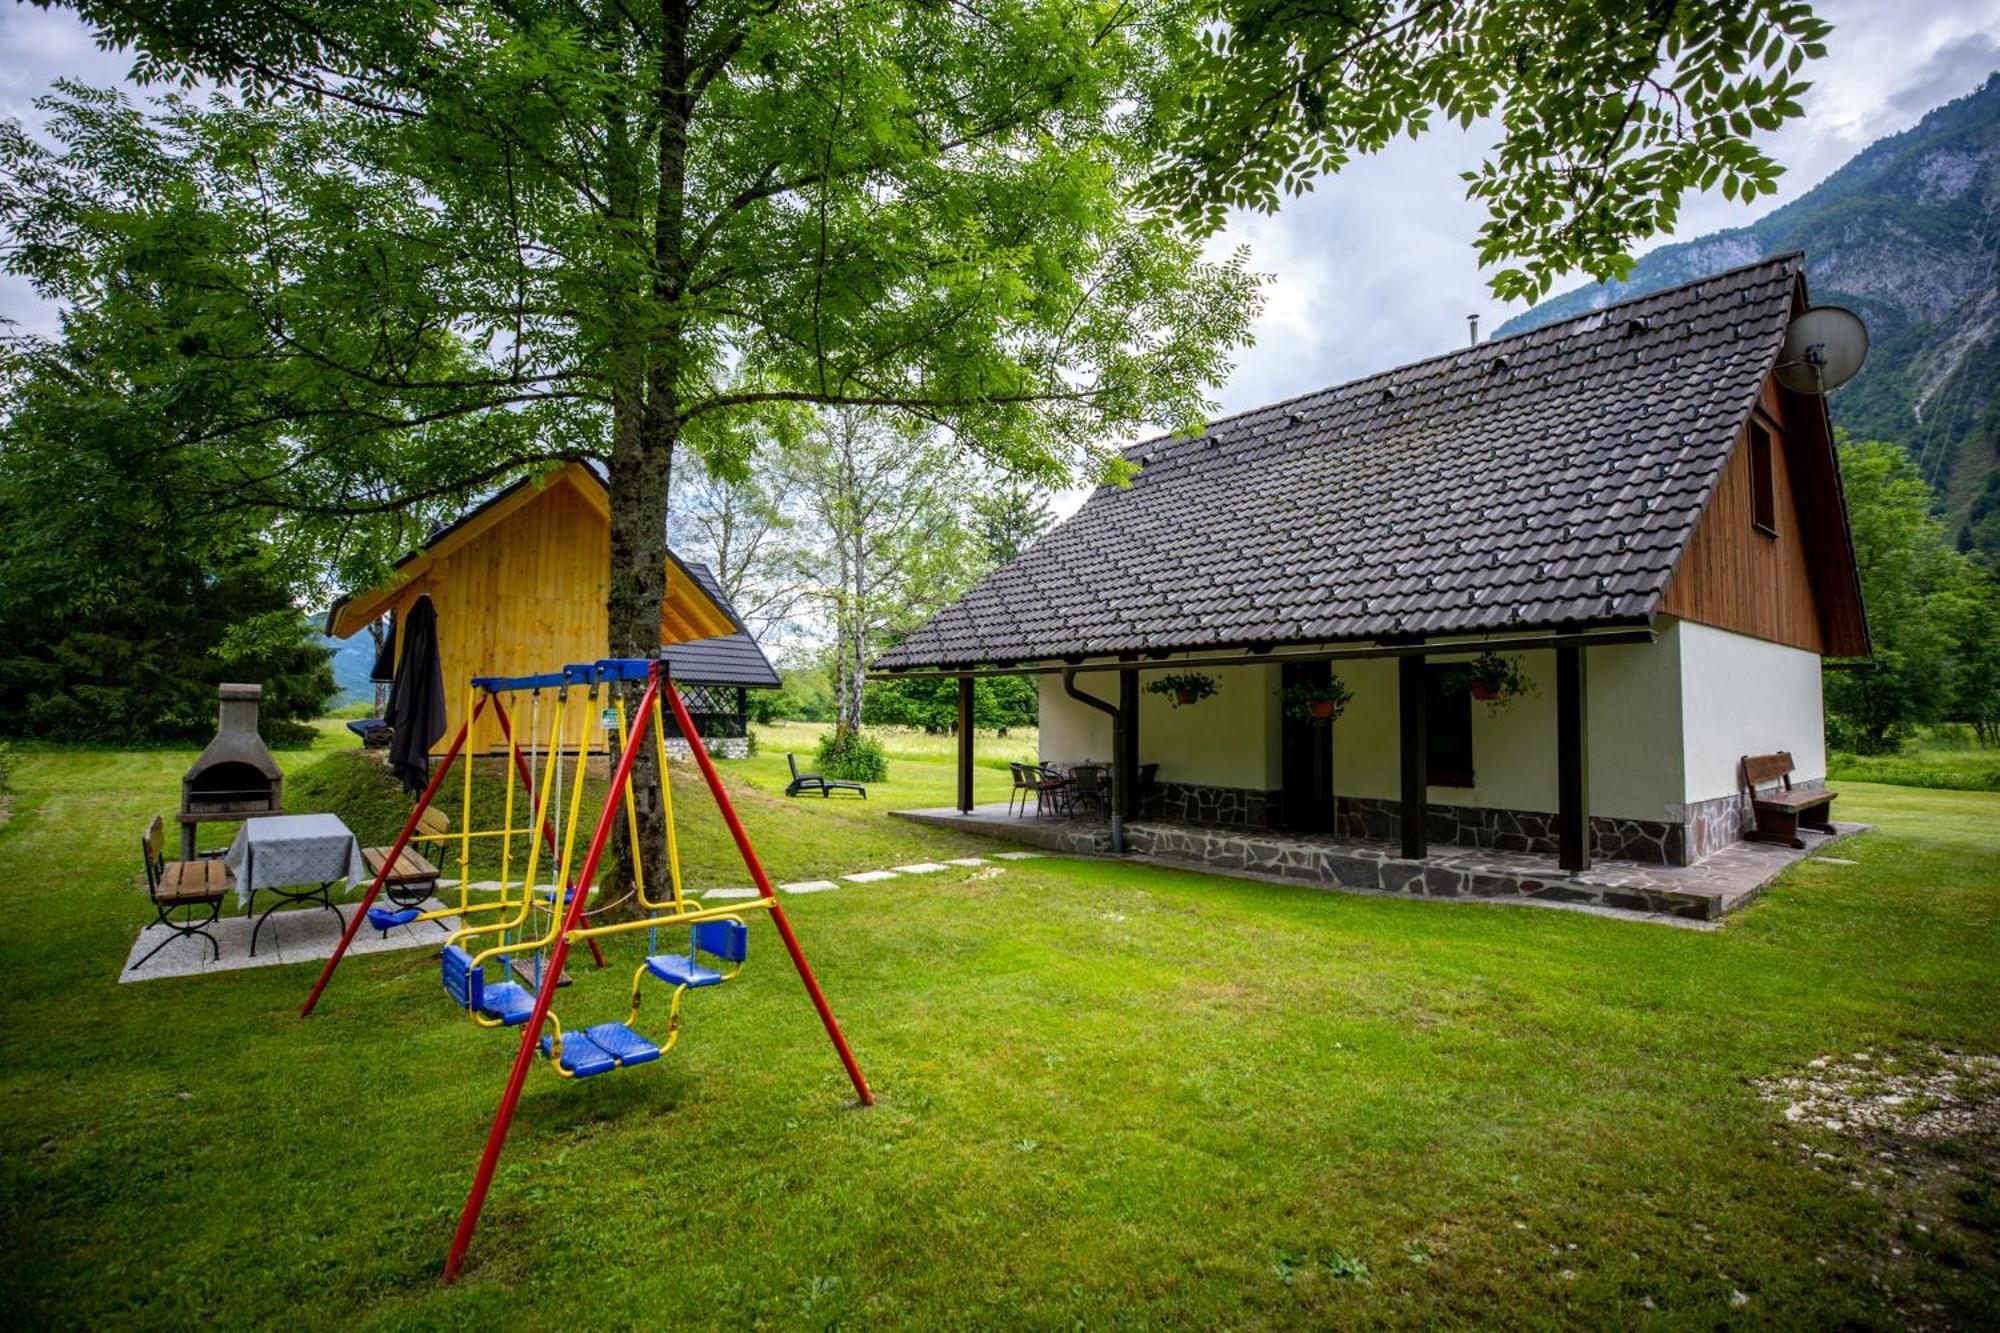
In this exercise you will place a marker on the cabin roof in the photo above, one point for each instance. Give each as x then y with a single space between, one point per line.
1546 480
691 612
732 659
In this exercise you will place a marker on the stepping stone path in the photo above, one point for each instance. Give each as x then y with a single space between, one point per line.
809 886
922 868
1835 861
967 861
869 876
1020 856
727 893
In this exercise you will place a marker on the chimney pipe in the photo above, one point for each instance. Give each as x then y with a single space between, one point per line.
1472 326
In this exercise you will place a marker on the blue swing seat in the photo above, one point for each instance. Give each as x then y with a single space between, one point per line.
727 940
508 1001
678 970
386 919
601 1049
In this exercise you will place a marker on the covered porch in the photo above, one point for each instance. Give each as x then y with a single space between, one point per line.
1704 891
1285 765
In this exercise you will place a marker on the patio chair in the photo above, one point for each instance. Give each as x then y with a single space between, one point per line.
1089 790
174 885
802 782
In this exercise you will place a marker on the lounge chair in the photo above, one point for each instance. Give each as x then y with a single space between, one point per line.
804 782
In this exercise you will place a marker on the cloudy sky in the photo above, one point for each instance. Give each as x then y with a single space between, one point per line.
1376 267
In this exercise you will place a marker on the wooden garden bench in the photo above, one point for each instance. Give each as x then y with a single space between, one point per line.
1780 812
414 878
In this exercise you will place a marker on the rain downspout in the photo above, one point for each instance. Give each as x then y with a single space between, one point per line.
1117 748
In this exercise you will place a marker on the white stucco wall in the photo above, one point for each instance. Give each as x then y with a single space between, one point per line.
1741 696
1634 719
1668 722
1229 739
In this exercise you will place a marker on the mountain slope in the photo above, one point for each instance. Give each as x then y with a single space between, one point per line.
1907 234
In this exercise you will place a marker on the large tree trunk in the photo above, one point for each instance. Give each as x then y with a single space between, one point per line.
646 429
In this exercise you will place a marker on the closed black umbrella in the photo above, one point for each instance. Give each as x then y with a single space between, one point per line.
416 697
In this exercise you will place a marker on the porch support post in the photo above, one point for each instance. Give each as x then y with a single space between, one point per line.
1127 757
965 745
1415 754
1572 759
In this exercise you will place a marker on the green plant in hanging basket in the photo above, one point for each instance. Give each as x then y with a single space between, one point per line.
1183 687
1494 680
1317 701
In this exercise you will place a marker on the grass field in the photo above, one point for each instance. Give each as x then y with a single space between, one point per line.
1948 769
1109 1094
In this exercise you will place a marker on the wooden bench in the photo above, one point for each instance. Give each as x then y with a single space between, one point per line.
414 878
174 885
1780 812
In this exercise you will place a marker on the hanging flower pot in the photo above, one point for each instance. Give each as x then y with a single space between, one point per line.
1184 687
1494 680
1319 701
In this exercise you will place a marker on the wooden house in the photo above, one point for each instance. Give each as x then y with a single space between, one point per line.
518 585
1628 505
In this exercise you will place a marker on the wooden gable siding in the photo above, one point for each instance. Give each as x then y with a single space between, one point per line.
1735 576
523 596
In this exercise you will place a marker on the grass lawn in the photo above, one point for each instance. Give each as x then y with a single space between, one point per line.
1110 1094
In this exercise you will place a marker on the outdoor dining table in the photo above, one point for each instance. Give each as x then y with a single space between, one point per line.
296 859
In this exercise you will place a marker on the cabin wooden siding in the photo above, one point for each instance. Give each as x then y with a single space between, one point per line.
523 596
1737 577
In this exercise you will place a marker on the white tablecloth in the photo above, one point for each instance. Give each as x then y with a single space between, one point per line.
287 851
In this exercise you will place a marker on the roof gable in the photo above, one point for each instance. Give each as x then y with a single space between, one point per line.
1550 479
690 612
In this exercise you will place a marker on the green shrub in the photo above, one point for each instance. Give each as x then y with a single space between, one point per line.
851 755
6 769
1938 769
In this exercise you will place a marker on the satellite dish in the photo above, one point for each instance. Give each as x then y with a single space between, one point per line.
1824 349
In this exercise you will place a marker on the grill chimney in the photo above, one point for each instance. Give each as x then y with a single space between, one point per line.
235 777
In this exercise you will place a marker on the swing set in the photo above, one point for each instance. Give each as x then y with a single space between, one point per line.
534 925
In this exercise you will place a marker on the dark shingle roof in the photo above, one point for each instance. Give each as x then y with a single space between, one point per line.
1550 478
734 659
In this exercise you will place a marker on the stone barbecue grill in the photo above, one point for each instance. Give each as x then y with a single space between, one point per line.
235 777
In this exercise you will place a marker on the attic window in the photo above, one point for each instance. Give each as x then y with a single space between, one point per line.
1763 485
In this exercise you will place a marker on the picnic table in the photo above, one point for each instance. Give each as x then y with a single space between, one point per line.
296 859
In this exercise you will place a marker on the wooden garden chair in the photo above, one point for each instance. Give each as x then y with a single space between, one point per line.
177 886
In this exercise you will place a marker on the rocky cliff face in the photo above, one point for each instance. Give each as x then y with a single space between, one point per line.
1907 234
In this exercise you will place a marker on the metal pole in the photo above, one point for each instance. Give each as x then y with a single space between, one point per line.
763 882
965 745
395 854
531 1031
1572 759
1410 686
548 832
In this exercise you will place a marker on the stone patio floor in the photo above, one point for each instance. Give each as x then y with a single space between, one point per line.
1703 892
295 935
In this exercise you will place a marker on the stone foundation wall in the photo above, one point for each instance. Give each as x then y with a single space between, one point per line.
1713 825
1328 862
1656 841
718 747
1236 807
1707 827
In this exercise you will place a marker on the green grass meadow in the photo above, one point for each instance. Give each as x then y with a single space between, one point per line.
1110 1094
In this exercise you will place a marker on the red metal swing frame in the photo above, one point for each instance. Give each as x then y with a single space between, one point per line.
658 685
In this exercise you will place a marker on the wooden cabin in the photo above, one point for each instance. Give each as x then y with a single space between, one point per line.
1630 496
519 587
